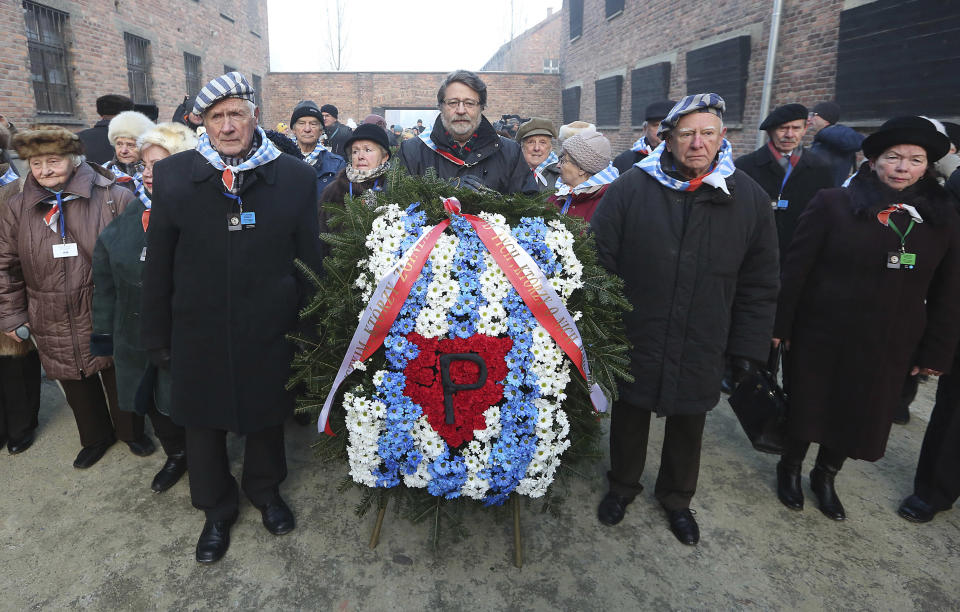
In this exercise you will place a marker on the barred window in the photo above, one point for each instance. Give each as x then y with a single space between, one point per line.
551 65
138 68
47 45
191 68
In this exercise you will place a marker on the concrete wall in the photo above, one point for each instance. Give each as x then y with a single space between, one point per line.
219 31
357 94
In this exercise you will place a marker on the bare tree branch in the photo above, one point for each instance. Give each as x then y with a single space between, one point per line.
336 12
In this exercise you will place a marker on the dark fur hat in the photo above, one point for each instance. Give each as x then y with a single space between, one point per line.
46 140
4 138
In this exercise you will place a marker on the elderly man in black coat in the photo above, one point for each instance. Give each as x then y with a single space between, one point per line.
695 243
220 293
463 145
790 174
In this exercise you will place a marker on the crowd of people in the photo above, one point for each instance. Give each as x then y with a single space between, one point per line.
851 270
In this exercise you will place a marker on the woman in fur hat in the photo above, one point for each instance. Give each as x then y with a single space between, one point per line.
47 235
870 291
19 363
117 267
124 131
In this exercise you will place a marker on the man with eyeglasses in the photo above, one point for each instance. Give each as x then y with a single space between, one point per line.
307 124
463 146
694 240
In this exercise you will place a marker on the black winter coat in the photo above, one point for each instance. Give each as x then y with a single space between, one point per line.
700 269
496 161
337 136
810 175
855 326
96 145
626 160
223 301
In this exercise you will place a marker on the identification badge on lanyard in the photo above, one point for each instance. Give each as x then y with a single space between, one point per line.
233 222
143 254
901 261
67 249
248 220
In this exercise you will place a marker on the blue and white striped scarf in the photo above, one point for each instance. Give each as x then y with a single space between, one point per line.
717 176
538 171
8 177
641 146
312 158
141 193
604 177
122 177
267 152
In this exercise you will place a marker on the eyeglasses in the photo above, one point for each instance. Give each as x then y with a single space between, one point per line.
467 104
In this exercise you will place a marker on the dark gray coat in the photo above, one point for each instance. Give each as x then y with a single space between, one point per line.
222 301
496 161
701 271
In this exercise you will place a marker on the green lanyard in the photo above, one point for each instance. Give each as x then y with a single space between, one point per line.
903 236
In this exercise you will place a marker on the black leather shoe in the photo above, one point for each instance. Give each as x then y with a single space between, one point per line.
684 526
821 483
18 446
170 473
916 510
89 455
214 540
788 486
142 446
277 517
612 508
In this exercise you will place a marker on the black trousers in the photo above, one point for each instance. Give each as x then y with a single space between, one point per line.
213 488
937 481
88 399
173 438
679 459
19 395
796 451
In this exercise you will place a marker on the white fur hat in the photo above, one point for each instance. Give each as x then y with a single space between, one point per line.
573 128
174 137
128 124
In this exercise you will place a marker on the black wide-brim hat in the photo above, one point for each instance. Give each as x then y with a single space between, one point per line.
367 131
907 130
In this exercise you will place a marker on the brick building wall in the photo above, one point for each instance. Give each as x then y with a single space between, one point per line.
357 94
647 32
531 50
220 32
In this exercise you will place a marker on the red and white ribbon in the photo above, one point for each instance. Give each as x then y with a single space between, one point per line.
521 270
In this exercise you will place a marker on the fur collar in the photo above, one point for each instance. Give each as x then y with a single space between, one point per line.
868 196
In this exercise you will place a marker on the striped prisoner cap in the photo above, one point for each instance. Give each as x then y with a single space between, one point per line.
705 102
230 85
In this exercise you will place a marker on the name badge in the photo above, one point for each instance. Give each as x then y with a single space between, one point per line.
248 220
782 204
233 222
901 261
65 250
143 254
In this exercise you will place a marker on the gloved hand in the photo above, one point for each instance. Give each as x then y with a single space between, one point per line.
101 345
159 357
740 368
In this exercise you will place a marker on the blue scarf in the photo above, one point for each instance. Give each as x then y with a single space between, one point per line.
604 177
265 153
538 171
716 177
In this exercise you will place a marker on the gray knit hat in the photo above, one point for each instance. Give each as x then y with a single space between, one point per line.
589 149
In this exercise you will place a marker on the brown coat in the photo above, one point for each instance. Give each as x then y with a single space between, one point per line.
55 295
8 347
855 326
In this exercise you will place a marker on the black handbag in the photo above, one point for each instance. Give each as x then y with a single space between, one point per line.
761 406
